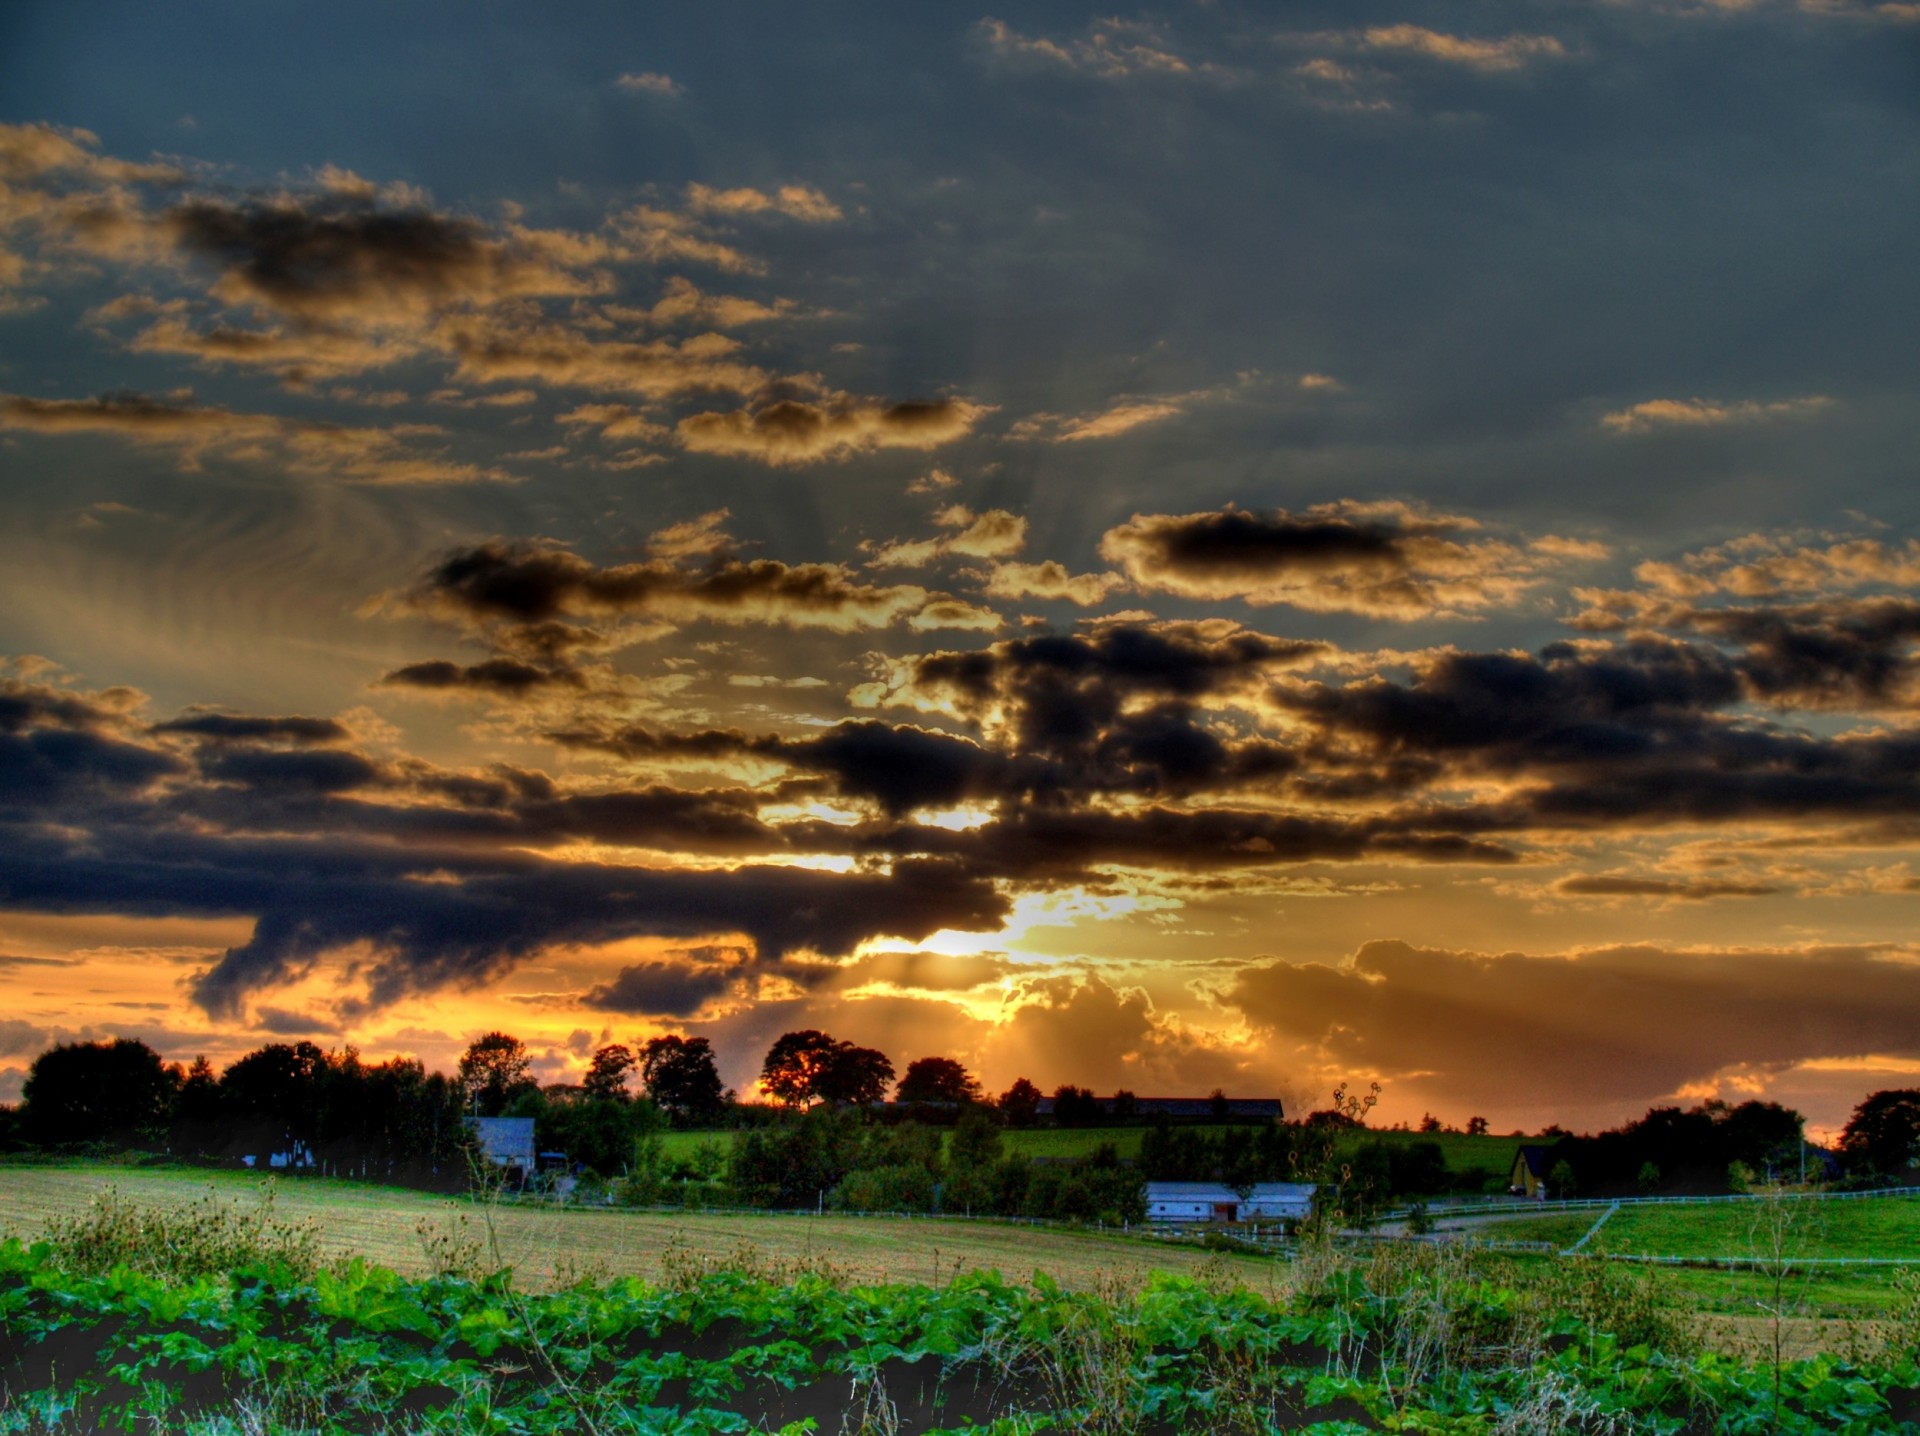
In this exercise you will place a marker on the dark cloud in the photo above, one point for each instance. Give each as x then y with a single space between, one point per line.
235 727
526 583
1622 885
284 1022
1646 730
1386 560
301 770
660 989
47 768
326 256
18 1038
507 677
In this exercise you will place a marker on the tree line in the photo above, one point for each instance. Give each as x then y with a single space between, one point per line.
829 1134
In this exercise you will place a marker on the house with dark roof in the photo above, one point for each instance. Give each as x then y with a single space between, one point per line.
1529 1176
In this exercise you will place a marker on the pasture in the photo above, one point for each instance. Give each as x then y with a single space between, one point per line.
1789 1236
1483 1156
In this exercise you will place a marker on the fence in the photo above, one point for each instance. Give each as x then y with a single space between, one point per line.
1588 1204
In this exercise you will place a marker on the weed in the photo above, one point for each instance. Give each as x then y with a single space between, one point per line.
210 1237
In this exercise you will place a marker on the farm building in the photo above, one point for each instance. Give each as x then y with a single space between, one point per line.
507 1142
1529 1176
1217 1202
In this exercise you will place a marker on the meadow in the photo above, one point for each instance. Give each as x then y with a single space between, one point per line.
1483 1156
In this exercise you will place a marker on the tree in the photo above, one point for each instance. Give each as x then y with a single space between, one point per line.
1883 1134
855 1076
1076 1106
1020 1103
607 1070
276 1090
1476 1126
1218 1105
938 1079
1126 1106
809 1066
91 1091
681 1078
494 1070
794 1063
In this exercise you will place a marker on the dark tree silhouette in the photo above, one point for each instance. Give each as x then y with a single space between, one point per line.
938 1079
494 1070
1076 1106
1020 1103
1883 1134
92 1091
855 1076
681 1078
607 1070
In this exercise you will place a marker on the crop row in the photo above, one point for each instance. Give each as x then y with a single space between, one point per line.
359 1349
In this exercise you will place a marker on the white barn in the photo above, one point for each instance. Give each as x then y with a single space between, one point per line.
1217 1202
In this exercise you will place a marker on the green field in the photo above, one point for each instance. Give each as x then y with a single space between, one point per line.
1807 1230
1484 1156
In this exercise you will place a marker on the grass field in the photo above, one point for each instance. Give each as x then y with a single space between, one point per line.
1810 1229
1484 1156
549 1247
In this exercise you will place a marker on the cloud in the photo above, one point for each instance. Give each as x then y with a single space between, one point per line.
338 255
507 677
1050 579
1112 49
241 727
1120 418
662 989
530 583
793 432
1510 52
1612 885
993 534
651 82
305 447
1654 414
685 303
932 482
1596 735
1384 560
664 236
492 351
793 201
1608 1028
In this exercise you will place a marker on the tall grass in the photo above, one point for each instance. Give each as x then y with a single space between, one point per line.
209 1237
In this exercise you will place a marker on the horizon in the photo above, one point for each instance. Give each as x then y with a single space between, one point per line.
1167 552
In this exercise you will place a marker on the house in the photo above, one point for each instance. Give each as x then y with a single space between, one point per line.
507 1143
1217 1202
1529 1176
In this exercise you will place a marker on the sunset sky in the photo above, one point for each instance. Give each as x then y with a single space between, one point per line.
1224 545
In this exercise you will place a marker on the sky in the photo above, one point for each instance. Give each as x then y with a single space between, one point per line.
1210 546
